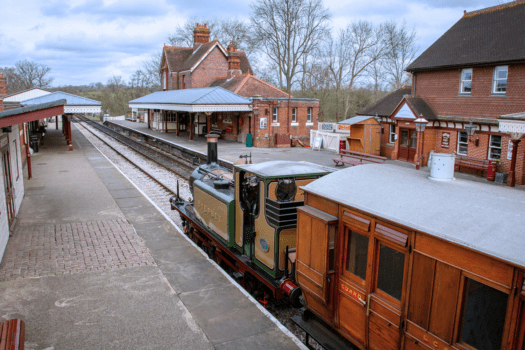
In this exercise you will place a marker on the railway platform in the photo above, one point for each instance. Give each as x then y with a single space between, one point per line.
92 264
230 151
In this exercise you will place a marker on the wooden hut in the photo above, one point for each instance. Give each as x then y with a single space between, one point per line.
365 134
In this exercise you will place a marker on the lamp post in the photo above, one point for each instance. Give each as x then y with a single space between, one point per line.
471 129
421 123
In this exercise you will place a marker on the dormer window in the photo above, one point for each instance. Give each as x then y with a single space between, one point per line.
466 81
500 79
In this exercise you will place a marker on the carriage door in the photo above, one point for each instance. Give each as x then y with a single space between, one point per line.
8 182
389 271
371 284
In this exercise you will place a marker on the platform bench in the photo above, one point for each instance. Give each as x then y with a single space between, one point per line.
357 158
218 132
479 165
12 333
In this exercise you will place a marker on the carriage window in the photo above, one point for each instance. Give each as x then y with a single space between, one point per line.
357 254
483 316
391 271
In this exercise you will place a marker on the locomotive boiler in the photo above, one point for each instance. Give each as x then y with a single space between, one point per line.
246 219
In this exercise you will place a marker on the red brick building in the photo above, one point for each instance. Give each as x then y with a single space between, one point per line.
474 73
275 116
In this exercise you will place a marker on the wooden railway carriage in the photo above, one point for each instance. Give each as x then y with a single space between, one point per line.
393 260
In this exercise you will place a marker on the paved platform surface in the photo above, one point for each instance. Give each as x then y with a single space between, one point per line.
230 151
92 264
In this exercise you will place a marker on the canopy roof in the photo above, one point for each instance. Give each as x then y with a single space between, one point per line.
478 216
32 112
209 99
355 120
74 103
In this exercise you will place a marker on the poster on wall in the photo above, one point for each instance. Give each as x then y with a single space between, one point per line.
227 120
263 123
445 139
509 150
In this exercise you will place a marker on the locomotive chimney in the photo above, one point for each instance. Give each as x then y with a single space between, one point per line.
212 147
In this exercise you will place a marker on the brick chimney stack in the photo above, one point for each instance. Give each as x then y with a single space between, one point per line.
3 91
234 61
201 35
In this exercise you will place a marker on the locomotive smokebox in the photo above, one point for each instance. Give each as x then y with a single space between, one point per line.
212 148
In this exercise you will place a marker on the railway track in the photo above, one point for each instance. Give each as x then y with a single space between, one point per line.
179 165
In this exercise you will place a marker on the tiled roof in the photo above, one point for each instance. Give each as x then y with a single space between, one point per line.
386 106
31 108
202 96
489 36
421 107
257 86
246 68
176 56
72 100
183 58
198 55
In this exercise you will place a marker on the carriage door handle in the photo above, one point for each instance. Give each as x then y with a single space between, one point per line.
368 305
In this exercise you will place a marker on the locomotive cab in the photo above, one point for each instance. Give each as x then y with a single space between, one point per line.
247 219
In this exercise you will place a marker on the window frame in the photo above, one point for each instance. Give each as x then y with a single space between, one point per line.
377 251
164 81
462 81
309 115
392 135
489 155
462 143
462 302
354 278
275 115
17 160
495 80
294 114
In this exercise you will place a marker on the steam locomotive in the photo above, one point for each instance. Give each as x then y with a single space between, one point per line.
246 220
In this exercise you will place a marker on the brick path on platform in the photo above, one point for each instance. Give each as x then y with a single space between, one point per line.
46 250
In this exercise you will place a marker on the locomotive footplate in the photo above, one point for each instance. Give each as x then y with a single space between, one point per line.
318 331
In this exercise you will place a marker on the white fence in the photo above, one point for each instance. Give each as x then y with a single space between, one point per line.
331 134
120 117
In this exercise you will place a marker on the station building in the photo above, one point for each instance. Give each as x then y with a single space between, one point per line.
472 76
269 116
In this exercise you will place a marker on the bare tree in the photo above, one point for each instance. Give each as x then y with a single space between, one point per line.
151 71
32 75
349 57
225 30
13 82
401 50
287 30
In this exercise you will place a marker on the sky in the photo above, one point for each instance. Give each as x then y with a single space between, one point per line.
88 41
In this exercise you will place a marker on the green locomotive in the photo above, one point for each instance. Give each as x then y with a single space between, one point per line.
247 219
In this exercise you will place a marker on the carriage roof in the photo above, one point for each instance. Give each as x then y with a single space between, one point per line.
486 218
280 168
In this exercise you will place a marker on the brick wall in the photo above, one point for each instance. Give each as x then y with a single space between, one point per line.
214 67
441 89
3 90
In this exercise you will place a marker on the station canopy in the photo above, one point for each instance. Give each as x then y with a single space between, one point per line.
209 99
74 103
31 113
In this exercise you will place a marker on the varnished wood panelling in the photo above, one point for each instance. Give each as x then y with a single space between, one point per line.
426 338
351 321
444 300
383 334
356 221
325 205
465 259
421 290
413 344
304 241
388 313
318 246
392 235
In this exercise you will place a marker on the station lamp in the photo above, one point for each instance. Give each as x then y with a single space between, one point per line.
421 123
